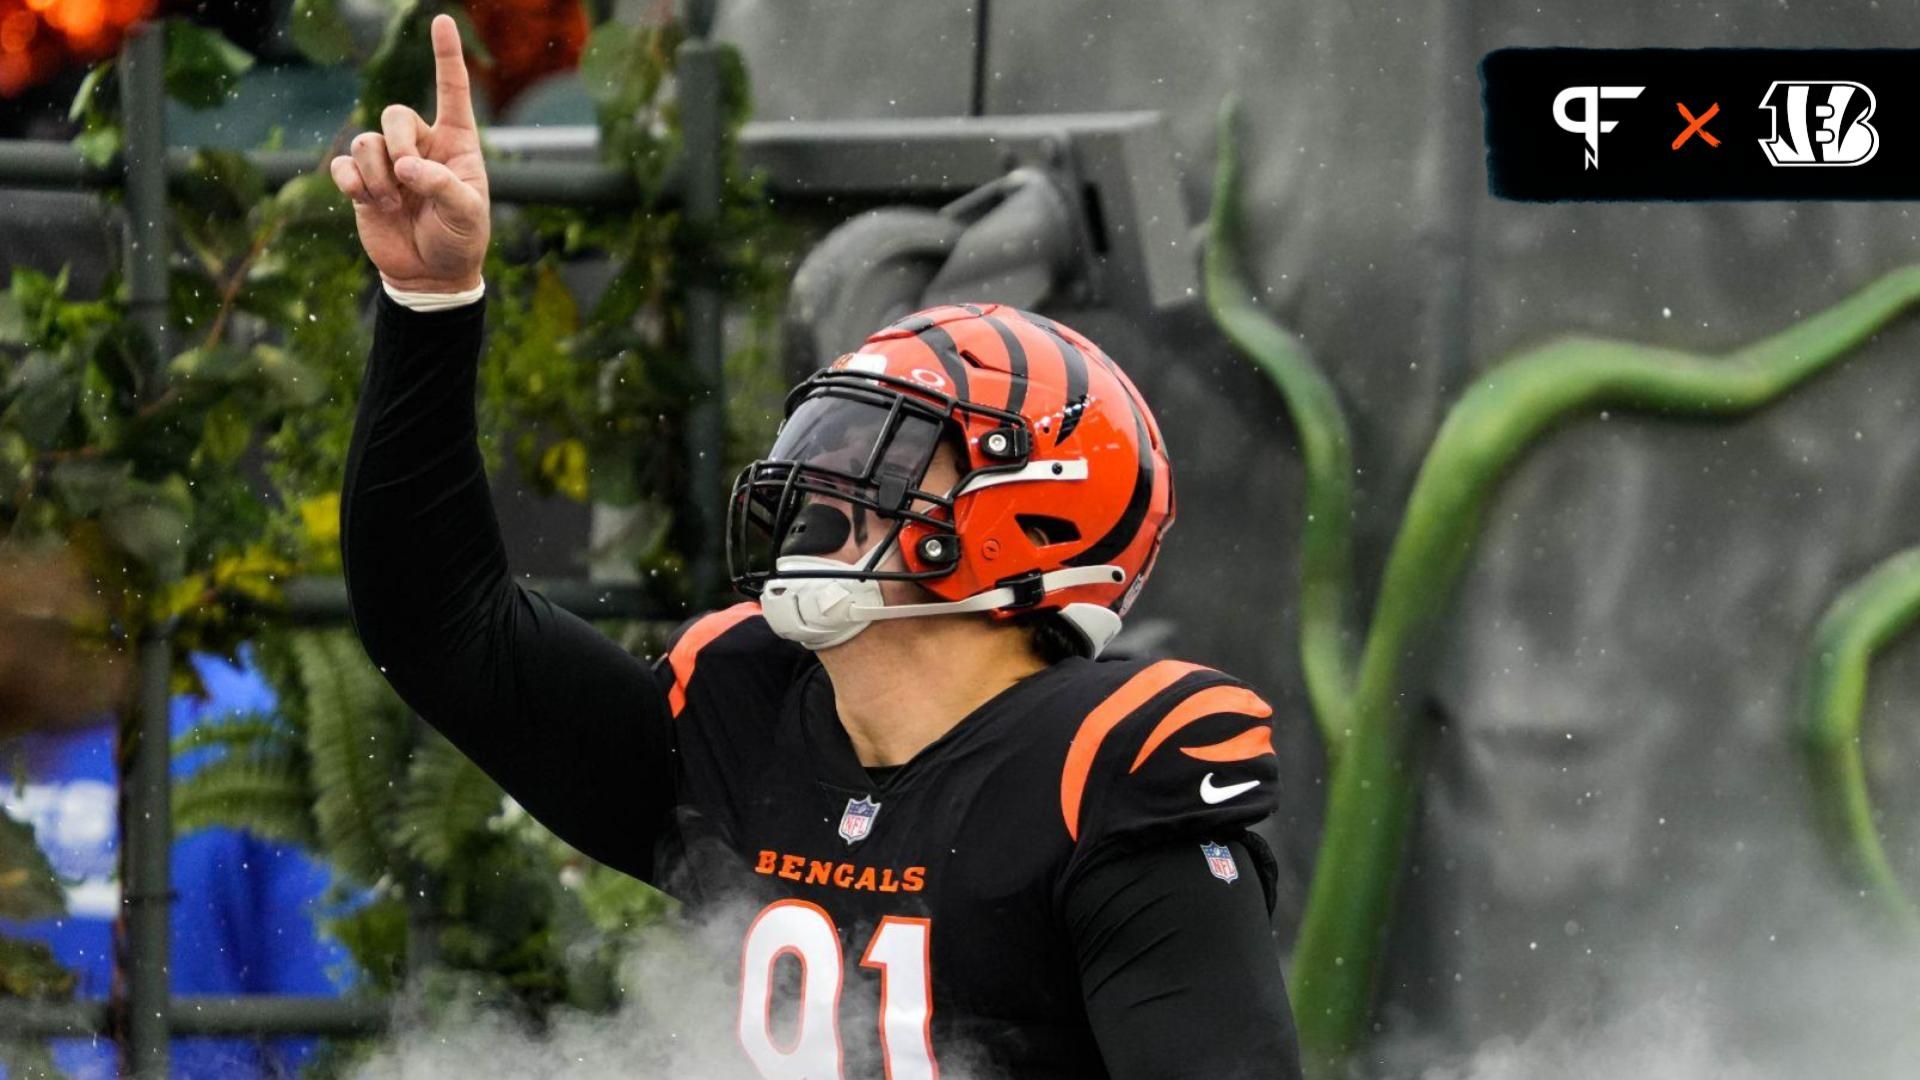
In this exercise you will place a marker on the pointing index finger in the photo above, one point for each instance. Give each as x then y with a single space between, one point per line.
454 105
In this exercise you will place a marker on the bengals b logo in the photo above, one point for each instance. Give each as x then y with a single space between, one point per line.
1819 123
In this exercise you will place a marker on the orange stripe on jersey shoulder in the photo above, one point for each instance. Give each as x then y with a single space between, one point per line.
1208 702
1103 719
686 651
1249 744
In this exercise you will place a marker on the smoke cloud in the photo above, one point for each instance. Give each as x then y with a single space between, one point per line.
676 1020
1830 992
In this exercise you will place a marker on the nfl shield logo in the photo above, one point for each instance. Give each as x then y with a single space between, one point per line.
1220 861
857 822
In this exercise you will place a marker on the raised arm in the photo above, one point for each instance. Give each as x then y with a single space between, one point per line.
571 725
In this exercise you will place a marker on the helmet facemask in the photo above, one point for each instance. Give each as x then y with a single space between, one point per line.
851 460
847 444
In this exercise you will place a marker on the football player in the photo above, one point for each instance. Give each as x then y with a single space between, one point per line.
960 838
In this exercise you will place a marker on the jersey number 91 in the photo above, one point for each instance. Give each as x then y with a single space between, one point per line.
899 949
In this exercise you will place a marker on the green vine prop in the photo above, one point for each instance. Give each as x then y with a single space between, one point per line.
1864 619
1503 413
1326 546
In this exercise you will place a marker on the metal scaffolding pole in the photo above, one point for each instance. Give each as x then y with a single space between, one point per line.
702 135
43 163
834 163
249 1014
141 960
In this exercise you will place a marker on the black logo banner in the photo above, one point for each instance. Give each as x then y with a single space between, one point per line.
1582 124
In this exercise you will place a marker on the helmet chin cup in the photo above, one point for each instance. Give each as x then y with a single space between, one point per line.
817 613
821 612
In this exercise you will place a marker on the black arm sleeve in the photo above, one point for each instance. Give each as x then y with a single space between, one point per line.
572 726
1179 969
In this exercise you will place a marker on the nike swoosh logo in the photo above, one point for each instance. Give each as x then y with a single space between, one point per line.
1211 795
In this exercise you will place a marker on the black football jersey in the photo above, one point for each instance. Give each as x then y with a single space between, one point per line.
895 927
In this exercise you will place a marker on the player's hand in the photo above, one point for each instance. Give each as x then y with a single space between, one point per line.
420 192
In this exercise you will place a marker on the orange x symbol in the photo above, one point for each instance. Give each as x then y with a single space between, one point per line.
1699 125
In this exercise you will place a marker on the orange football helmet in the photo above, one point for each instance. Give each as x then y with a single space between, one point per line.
1064 495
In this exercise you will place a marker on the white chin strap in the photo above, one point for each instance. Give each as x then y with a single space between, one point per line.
820 613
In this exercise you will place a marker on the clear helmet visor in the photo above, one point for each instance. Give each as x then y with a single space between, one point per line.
843 454
857 438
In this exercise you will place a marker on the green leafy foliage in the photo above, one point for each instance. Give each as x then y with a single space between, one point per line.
625 70
203 67
29 889
376 937
446 804
83 98
401 67
319 31
259 781
602 382
400 71
28 970
507 909
192 482
357 735
99 138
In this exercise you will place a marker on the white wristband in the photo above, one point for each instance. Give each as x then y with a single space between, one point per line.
434 301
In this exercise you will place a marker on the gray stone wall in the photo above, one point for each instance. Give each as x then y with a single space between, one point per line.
1616 818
